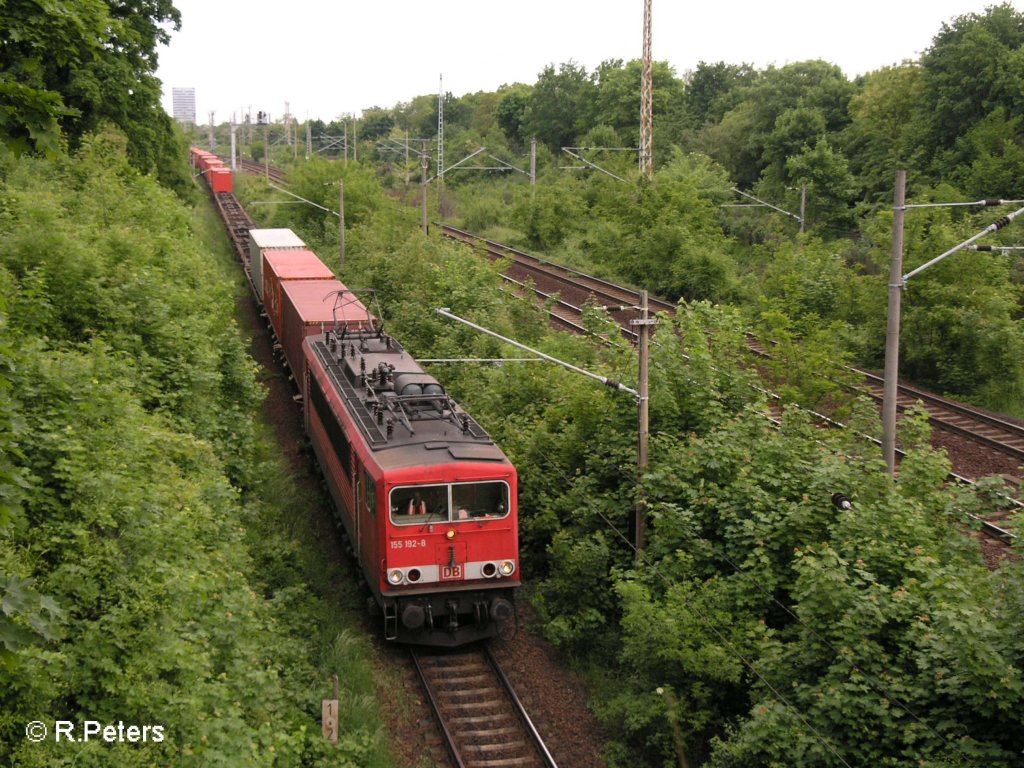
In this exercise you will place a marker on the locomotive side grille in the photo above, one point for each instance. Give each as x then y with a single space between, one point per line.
331 426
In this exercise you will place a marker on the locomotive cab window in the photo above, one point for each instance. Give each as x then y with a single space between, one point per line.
419 504
479 500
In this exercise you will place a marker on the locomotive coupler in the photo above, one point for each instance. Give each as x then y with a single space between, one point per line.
481 612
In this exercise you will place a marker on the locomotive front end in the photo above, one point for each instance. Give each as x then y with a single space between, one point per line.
451 558
427 498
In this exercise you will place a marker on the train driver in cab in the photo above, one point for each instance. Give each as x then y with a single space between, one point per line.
417 506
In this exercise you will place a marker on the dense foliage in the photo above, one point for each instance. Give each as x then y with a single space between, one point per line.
762 625
66 68
952 119
147 575
150 564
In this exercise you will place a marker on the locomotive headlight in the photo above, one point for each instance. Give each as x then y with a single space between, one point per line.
450 533
395 576
507 568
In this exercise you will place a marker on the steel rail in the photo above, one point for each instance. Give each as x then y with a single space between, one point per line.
569 311
238 223
435 710
517 704
259 169
615 291
988 527
460 746
1013 431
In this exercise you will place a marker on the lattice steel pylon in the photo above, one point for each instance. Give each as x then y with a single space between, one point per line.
440 129
646 100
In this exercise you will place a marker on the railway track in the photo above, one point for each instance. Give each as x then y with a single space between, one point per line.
987 429
237 223
482 721
575 288
566 290
276 175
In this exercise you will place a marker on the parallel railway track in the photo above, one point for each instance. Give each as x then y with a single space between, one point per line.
482 721
573 288
566 291
259 169
576 288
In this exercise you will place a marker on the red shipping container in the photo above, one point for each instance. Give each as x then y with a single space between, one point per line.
279 266
220 179
308 307
262 240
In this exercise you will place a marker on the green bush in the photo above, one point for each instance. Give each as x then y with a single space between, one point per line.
149 573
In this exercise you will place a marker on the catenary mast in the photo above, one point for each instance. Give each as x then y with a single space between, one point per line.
646 99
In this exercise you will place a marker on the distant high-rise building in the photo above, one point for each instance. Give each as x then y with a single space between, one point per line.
184 105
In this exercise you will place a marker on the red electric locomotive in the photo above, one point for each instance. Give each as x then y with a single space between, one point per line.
427 498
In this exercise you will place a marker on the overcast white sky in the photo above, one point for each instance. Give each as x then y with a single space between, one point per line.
331 58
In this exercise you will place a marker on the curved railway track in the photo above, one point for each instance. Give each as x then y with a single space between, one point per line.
259 169
481 720
575 288
566 291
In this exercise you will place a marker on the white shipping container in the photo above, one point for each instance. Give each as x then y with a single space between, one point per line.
261 240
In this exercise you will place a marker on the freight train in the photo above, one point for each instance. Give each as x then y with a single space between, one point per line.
427 499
